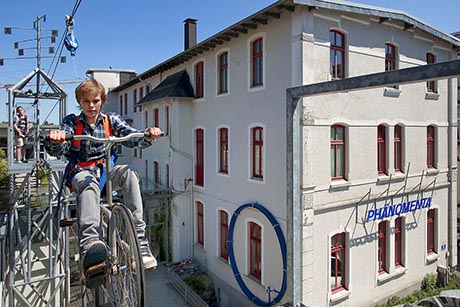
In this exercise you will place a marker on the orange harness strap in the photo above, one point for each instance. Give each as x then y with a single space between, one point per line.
79 128
77 143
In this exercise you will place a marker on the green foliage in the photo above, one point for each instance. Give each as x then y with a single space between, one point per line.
429 282
196 282
3 169
429 288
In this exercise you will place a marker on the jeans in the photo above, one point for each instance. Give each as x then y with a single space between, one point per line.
86 186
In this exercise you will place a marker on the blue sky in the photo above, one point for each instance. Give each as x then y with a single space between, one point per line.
140 34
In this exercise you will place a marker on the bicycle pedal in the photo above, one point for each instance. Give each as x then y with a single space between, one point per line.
96 271
66 222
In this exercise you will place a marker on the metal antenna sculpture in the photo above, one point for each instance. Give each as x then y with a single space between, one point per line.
38 273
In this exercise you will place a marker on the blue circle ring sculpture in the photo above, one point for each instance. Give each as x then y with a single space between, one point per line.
233 264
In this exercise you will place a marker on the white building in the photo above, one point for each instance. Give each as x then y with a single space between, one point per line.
377 167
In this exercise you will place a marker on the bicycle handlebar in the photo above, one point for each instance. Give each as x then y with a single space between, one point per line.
111 139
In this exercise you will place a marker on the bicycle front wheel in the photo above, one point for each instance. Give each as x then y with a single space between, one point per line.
126 279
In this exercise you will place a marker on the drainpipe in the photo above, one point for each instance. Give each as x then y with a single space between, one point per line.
452 176
293 201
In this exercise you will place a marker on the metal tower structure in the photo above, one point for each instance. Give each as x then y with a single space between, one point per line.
37 250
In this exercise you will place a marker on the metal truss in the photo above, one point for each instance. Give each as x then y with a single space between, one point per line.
38 268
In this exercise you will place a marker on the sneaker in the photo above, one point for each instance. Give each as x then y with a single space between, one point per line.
24 160
148 259
94 264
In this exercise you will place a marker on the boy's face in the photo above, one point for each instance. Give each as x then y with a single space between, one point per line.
91 105
20 111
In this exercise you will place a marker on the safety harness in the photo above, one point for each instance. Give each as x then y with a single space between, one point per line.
70 167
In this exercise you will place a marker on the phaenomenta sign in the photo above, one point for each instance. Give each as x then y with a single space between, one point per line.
389 210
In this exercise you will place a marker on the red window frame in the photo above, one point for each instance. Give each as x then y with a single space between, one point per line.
199 155
381 150
338 261
134 100
199 79
200 223
257 54
223 232
382 247
398 236
431 85
390 57
156 172
337 54
398 158
430 231
255 250
257 152
156 117
223 73
430 147
223 150
338 152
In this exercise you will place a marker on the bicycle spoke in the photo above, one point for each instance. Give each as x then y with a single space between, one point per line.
126 281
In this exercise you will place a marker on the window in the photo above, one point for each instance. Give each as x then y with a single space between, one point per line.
381 150
199 157
399 244
257 151
156 172
390 57
257 62
156 120
223 73
382 247
121 105
337 54
255 248
398 158
200 223
199 79
338 253
134 100
431 85
430 147
125 111
430 231
166 120
223 150
223 234
337 152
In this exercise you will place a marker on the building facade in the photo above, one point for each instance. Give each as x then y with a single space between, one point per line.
378 189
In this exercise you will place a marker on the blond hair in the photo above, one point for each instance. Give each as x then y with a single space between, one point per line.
90 85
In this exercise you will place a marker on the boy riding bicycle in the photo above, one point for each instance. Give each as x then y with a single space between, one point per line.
87 166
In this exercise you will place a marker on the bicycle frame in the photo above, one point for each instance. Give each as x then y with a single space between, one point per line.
106 209
108 143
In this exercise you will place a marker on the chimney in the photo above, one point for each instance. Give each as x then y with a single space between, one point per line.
189 33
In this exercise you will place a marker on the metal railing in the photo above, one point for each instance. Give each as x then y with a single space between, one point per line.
190 296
